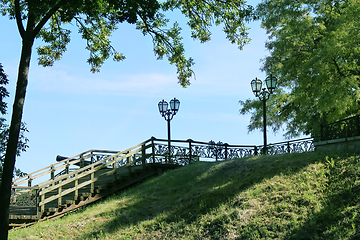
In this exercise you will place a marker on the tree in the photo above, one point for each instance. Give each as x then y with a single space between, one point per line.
96 20
314 52
22 146
4 128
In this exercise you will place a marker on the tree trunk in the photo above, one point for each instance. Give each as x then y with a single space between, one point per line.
9 162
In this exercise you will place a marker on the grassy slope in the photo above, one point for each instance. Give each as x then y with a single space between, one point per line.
297 196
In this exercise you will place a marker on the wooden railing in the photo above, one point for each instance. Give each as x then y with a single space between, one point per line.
82 177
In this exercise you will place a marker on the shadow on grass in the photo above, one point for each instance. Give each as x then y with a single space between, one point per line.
188 193
339 218
335 221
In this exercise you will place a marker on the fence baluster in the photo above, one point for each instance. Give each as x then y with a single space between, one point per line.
288 147
153 149
143 155
226 149
190 150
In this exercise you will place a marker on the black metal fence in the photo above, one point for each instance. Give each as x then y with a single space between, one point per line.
190 150
345 128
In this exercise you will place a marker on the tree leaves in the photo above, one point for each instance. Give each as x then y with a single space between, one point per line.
315 55
4 128
96 21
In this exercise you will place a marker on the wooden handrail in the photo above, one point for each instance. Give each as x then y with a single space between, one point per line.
86 171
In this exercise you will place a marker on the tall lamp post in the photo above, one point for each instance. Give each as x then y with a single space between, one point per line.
168 114
263 94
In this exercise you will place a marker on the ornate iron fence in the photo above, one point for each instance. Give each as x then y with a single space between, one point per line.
185 151
348 127
293 146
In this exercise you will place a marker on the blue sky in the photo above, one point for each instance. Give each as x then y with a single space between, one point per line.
69 110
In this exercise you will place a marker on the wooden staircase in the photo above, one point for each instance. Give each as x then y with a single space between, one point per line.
80 180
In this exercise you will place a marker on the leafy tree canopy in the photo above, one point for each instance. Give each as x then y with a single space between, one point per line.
97 19
314 52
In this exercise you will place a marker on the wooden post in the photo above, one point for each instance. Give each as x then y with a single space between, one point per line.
114 169
153 149
67 168
92 157
52 173
133 159
42 200
128 159
38 211
255 151
143 155
92 185
81 161
29 180
60 198
76 187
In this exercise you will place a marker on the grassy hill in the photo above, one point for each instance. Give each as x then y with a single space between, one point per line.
290 196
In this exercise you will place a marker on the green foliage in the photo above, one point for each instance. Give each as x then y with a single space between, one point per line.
4 128
274 106
3 92
314 52
97 20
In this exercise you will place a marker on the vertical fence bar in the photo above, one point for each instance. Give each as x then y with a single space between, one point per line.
255 151
42 200
38 210
143 155
52 173
60 197
67 167
226 151
76 187
92 157
81 161
288 146
29 180
128 161
216 153
190 150
92 185
153 149
114 169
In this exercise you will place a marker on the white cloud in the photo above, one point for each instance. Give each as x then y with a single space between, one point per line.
55 80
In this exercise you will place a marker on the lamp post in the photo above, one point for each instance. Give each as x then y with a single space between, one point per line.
263 94
168 114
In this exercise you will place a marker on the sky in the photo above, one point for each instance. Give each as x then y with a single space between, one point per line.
69 110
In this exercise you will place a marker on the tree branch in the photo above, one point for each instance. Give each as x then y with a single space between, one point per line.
19 20
338 68
46 18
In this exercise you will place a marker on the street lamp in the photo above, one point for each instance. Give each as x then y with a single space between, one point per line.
263 94
168 114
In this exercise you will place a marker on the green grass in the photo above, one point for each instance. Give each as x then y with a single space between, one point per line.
295 196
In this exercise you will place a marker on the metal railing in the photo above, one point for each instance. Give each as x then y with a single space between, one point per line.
345 128
223 151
